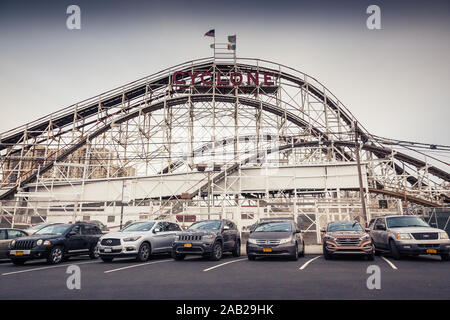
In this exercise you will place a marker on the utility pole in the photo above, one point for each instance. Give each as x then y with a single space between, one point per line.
121 206
361 189
209 195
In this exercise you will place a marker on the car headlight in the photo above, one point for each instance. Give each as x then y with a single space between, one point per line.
12 243
47 243
443 235
364 237
209 237
253 241
130 239
177 238
403 236
286 240
39 242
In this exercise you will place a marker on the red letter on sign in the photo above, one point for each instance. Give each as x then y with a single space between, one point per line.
193 76
233 78
175 78
267 79
219 80
254 78
207 83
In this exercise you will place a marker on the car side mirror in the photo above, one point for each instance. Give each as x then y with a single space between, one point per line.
323 230
72 233
156 230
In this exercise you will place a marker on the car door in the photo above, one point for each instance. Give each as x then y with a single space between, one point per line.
227 234
379 233
89 234
173 230
4 244
76 243
162 238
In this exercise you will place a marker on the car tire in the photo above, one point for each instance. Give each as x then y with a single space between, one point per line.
217 252
326 254
143 253
178 257
237 250
106 259
18 262
302 254
393 250
294 257
93 253
444 257
55 255
251 258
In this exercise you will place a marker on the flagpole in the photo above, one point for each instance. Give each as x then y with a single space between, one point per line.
214 44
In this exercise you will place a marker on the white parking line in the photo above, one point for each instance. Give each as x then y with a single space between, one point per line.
222 264
44 268
308 262
137 265
389 263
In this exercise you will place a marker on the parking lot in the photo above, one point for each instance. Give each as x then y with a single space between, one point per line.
311 277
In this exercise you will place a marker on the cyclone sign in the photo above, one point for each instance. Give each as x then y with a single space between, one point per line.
234 78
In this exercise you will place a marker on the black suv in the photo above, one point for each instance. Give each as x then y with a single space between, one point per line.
209 238
56 243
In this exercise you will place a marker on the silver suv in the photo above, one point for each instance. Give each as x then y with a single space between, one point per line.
138 239
408 235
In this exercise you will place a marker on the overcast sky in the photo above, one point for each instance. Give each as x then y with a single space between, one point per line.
395 80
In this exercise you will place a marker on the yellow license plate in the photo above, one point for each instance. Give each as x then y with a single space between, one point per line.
267 249
431 251
188 245
19 253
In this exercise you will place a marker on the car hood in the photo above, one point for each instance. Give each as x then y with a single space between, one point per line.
347 234
197 232
270 235
415 230
121 235
37 237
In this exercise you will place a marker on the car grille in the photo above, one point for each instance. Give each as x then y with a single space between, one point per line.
428 246
425 236
110 242
190 238
24 244
268 242
351 242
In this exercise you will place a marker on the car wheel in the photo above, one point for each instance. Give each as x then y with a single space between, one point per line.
237 250
394 251
444 257
18 262
143 253
326 254
252 258
55 255
217 252
294 257
106 259
178 257
93 253
302 253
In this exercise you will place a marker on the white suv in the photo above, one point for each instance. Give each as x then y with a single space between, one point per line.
408 235
138 239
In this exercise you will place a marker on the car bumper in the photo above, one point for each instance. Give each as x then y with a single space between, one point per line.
195 248
287 249
423 248
123 250
365 248
28 254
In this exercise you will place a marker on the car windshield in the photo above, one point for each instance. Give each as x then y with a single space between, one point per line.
206 225
57 229
402 222
274 227
36 227
139 226
344 226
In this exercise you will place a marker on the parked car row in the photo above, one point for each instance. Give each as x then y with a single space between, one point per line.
397 235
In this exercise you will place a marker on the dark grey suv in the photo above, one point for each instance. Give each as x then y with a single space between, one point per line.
208 238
